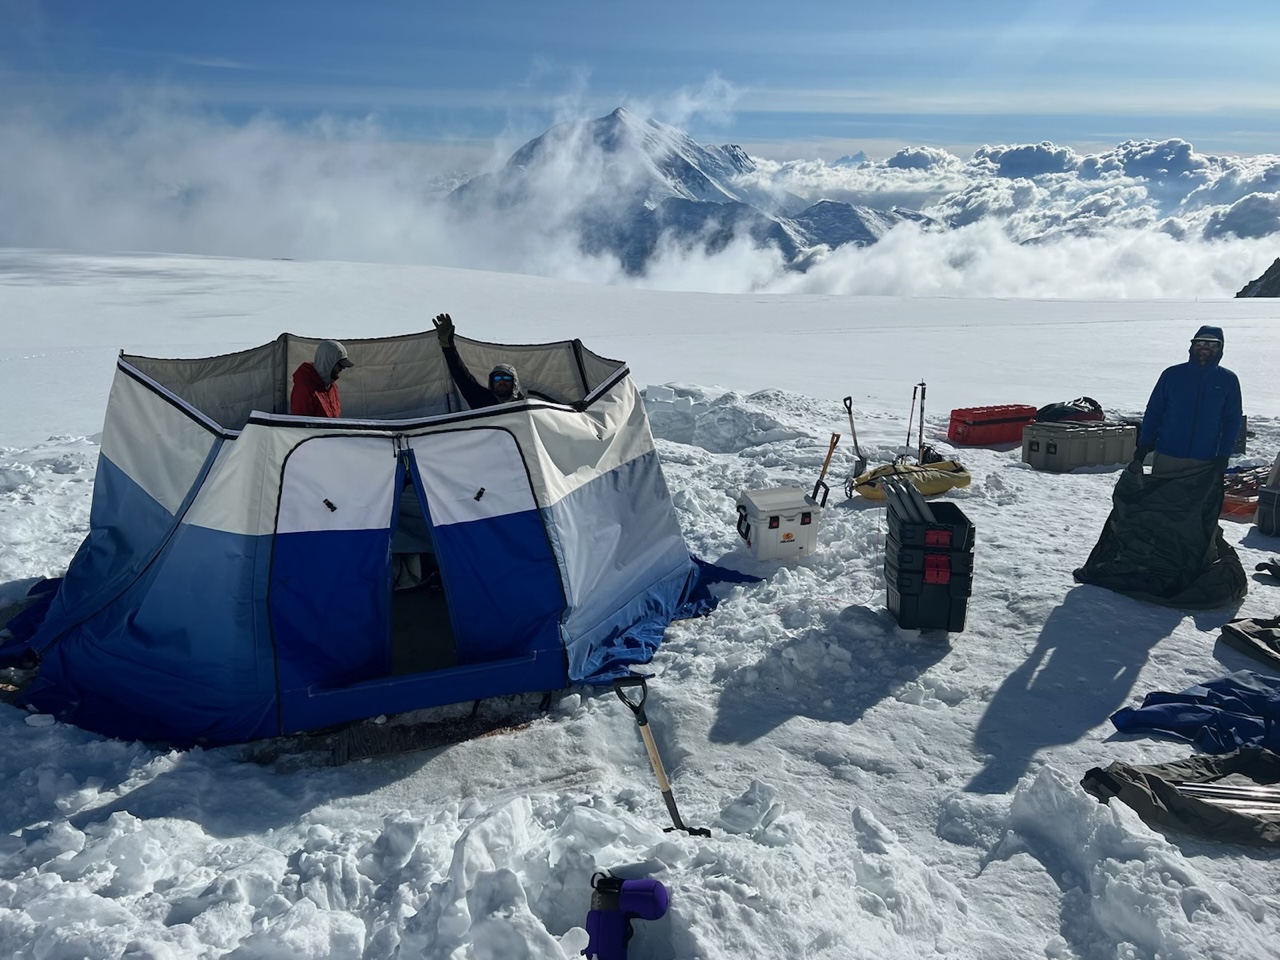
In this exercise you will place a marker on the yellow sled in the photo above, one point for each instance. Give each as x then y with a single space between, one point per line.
928 478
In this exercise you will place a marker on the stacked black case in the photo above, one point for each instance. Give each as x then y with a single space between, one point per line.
928 560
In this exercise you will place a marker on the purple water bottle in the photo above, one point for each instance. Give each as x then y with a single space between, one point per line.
614 904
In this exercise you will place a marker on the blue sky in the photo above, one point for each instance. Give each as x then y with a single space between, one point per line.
800 79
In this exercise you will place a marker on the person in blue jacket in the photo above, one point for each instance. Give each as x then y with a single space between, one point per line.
1193 416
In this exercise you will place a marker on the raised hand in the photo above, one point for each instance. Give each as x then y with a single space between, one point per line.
444 329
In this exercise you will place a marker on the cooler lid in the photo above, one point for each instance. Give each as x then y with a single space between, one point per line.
777 500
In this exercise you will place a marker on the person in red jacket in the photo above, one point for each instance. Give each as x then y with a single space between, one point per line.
315 385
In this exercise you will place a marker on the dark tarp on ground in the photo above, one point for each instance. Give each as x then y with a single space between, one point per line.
1152 792
1258 638
1162 542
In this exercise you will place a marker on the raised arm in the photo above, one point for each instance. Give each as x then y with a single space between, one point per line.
471 389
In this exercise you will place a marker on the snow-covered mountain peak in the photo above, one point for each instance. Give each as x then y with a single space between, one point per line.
621 182
645 157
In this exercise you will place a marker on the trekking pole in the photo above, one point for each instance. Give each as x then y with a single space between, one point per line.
860 463
637 707
920 453
910 416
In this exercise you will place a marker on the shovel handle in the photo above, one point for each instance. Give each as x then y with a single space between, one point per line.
853 431
835 438
636 706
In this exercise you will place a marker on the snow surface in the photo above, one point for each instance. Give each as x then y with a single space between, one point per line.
872 792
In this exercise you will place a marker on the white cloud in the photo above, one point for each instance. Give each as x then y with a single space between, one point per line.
1254 216
1145 218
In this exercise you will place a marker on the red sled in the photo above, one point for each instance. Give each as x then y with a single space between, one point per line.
981 426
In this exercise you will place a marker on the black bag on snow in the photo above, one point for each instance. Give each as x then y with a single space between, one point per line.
1162 542
1081 408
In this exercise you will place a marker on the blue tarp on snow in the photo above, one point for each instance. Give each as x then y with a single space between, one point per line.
1241 709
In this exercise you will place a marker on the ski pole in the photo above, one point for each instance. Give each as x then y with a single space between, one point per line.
637 707
912 415
920 452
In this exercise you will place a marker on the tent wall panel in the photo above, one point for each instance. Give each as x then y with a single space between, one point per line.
549 369
567 450
597 368
393 378
127 528
618 539
242 492
225 389
180 654
154 442
632 632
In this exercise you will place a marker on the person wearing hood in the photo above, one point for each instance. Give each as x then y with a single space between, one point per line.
315 384
503 381
1194 414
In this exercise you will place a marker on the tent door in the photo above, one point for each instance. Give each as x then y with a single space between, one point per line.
327 591
421 631
498 570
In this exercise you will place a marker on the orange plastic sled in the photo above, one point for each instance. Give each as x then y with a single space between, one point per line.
1240 508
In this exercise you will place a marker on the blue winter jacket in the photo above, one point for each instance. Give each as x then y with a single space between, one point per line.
1194 411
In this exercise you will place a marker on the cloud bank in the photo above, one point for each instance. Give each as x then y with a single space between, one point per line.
1145 219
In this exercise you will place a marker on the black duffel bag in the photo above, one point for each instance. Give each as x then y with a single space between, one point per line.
1081 408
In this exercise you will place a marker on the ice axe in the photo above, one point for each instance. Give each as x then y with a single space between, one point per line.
822 477
860 464
637 707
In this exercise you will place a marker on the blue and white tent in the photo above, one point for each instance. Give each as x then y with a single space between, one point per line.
237 580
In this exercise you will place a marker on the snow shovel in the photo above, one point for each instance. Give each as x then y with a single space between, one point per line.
821 484
860 464
637 707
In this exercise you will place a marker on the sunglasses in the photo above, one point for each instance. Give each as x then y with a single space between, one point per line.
1211 344
501 377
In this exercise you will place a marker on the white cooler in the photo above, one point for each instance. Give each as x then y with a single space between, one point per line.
779 523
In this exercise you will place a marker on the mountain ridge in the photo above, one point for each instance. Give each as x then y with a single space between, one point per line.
1267 285
624 183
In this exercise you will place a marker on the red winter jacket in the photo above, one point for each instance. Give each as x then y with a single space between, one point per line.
310 397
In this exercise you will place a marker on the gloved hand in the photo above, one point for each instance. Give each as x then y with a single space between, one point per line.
1141 453
1222 463
444 329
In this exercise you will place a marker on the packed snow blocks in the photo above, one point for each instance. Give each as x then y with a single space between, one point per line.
237 579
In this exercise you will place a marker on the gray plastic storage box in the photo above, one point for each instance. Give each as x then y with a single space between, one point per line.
1063 446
